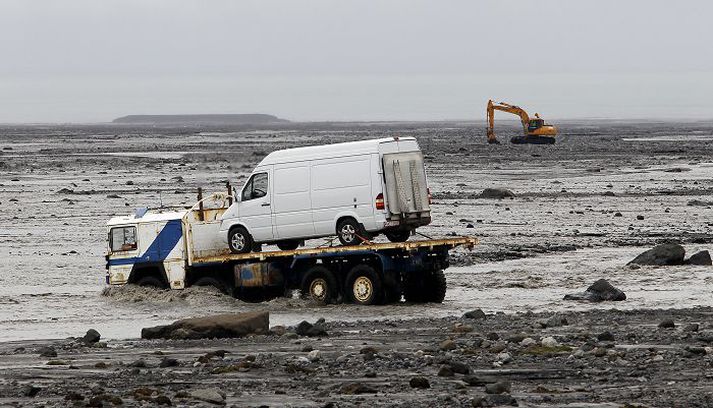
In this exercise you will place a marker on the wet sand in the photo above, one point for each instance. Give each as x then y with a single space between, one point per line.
575 219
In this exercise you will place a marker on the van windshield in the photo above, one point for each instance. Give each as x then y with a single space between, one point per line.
256 187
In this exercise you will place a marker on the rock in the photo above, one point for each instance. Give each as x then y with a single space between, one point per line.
618 214
494 400
474 314
696 351
700 203
479 380
640 217
47 351
357 388
140 363
554 321
692 327
447 344
217 326
29 390
445 371
498 193
549 342
664 254
605 336
528 341
317 329
92 336
168 362
667 324
600 291
699 258
458 367
278 330
504 358
210 395
73 396
314 355
419 382
499 387
162 400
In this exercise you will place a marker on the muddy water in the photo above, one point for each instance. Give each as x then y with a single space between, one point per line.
52 242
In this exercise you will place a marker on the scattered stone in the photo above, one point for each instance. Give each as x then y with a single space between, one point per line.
447 344
140 363
600 291
419 382
498 193
640 217
528 341
474 314
29 390
549 342
699 258
314 355
357 388
479 380
605 336
494 400
210 395
554 321
664 254
47 351
499 387
618 214
217 326
458 367
73 396
692 327
317 329
168 362
92 336
667 324
445 371
699 203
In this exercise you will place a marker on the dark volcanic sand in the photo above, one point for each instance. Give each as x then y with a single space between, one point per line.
59 185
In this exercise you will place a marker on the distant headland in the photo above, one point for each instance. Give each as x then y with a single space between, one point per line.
202 119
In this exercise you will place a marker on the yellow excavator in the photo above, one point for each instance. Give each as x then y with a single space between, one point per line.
536 130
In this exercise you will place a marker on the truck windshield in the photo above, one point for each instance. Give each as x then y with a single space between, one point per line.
122 239
256 187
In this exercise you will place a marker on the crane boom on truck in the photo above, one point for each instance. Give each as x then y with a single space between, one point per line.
178 249
535 130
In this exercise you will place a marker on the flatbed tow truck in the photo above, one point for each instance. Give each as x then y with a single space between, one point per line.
178 249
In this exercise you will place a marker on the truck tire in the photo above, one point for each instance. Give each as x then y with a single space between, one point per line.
348 231
288 245
151 281
437 285
320 285
415 289
208 281
240 241
398 235
363 285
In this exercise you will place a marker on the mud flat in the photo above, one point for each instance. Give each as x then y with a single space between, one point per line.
654 358
581 210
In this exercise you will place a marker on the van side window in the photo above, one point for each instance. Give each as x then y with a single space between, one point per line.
122 239
256 187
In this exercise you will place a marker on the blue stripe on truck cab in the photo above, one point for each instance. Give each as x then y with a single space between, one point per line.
159 249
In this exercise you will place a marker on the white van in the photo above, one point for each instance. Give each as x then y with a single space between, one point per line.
354 190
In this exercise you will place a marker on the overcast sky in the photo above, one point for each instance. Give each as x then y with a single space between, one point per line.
363 60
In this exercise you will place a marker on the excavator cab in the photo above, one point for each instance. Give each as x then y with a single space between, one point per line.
535 124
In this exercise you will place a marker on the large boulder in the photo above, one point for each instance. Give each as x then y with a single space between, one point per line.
699 258
499 193
664 254
217 326
600 291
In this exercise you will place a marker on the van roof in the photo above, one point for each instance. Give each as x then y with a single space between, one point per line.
407 143
148 217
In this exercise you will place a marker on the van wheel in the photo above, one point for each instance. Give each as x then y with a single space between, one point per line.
151 281
364 285
398 235
239 240
348 231
320 285
289 245
208 281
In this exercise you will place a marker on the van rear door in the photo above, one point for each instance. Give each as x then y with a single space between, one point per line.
406 186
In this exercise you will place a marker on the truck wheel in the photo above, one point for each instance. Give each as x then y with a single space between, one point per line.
208 281
348 231
151 281
239 240
415 288
398 235
320 285
437 284
364 285
289 245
